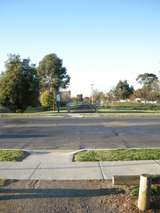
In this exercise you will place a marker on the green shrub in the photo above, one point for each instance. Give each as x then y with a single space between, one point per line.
155 190
31 109
46 99
4 109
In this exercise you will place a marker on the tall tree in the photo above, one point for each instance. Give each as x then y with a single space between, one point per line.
146 79
98 97
52 74
150 87
19 84
123 90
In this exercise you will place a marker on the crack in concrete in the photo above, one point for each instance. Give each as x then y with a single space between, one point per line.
156 161
101 170
34 171
117 134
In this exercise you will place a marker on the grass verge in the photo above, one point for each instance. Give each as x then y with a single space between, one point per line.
31 115
13 155
118 155
155 190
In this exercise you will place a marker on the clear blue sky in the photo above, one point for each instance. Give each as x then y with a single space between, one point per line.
100 41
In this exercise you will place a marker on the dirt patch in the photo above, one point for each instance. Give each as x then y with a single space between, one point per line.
65 196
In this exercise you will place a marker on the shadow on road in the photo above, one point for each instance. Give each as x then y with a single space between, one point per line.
5 136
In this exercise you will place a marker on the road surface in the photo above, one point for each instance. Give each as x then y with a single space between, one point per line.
78 133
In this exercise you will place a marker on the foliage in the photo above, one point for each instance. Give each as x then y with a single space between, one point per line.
134 190
86 100
12 155
3 182
155 190
52 74
74 100
146 79
4 109
98 97
110 96
79 98
31 109
19 85
119 155
46 99
142 93
150 90
123 90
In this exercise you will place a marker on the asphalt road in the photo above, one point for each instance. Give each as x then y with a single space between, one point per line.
77 133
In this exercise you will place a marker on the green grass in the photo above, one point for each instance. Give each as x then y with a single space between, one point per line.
155 190
118 155
32 114
133 105
130 107
126 111
12 155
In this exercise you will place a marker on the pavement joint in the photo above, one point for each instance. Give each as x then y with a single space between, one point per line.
101 170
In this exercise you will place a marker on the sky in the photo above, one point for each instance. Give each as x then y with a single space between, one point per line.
100 41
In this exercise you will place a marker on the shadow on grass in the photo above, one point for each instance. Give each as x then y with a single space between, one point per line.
8 194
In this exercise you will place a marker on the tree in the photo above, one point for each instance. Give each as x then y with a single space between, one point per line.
19 84
98 97
150 87
86 100
142 93
110 95
46 99
123 90
79 98
53 75
146 79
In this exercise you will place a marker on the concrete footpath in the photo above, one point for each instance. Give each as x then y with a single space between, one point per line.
58 165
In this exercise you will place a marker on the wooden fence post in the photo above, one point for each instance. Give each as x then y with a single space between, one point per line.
144 192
